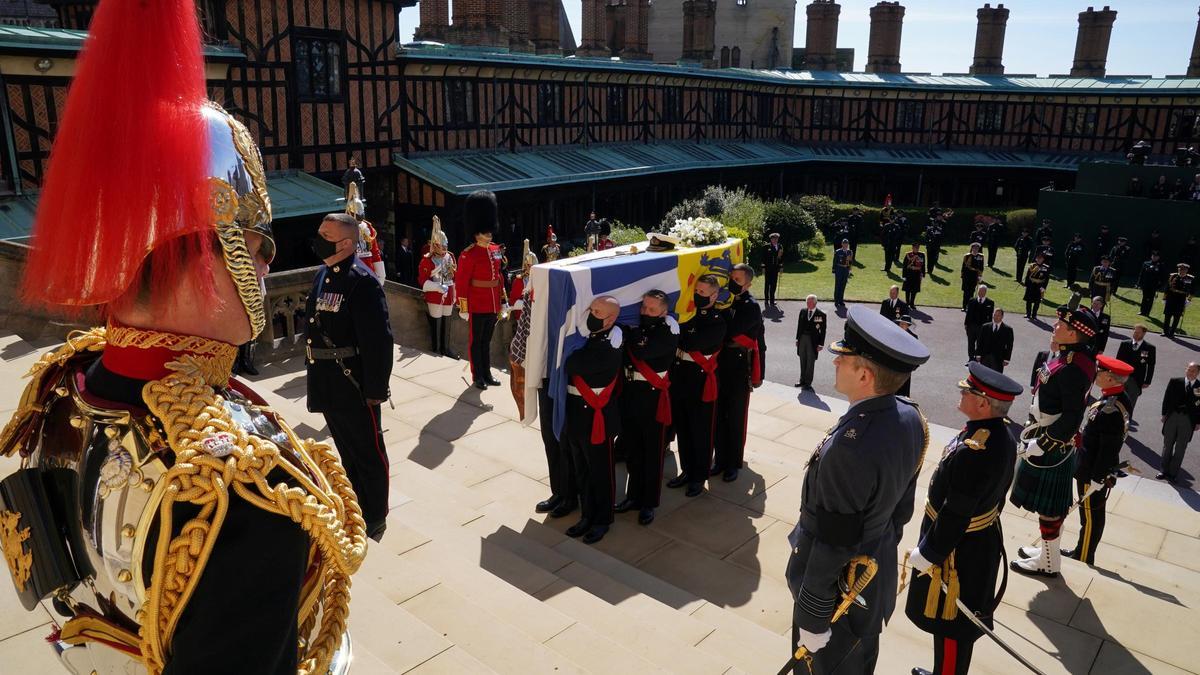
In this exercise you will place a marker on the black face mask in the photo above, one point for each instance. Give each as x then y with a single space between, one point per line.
594 323
700 300
651 321
323 248
735 288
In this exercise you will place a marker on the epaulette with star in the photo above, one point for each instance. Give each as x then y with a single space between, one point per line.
978 440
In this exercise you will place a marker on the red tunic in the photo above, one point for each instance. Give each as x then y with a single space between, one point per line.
368 247
432 289
515 300
604 244
479 279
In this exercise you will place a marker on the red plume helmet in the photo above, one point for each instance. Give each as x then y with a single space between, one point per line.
128 169
550 233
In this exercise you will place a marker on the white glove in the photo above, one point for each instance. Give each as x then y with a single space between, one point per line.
464 316
1034 450
814 642
1097 486
918 561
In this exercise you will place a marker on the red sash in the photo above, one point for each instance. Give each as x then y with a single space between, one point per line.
709 365
662 384
598 402
752 347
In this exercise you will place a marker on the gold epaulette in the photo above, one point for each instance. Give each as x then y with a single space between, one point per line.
978 440
1070 356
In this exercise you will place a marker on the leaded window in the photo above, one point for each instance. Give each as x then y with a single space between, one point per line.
827 113
318 61
910 116
459 96
989 117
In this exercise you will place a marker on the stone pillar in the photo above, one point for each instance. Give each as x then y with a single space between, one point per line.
435 19
593 41
883 48
1194 64
544 19
1091 45
637 23
699 31
516 20
820 42
478 23
989 40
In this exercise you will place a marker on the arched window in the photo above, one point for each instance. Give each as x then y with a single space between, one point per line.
735 57
724 57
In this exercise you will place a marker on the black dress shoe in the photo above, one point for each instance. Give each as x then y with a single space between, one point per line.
694 489
491 381
921 671
375 530
1164 476
1069 553
450 354
565 508
579 529
248 368
624 505
645 516
595 534
715 470
729 475
678 481
548 505
798 384
480 384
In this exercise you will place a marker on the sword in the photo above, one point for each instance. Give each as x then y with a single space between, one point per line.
855 583
966 611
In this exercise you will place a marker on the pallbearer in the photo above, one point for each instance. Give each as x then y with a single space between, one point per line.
961 542
741 372
694 378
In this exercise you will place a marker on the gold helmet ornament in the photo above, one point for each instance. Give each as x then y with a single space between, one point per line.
437 236
528 259
355 205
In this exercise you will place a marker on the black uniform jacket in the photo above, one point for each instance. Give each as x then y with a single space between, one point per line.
1150 277
704 332
1142 359
1104 326
772 257
995 342
1062 386
1038 362
1180 398
1104 428
969 484
979 311
653 341
893 309
743 317
857 496
598 362
814 327
347 308
972 268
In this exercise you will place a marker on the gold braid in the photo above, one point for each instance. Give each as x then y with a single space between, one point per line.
323 505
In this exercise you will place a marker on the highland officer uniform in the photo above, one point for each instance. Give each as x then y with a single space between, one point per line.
858 493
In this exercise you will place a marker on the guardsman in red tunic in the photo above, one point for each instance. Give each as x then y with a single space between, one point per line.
480 282
435 276
368 239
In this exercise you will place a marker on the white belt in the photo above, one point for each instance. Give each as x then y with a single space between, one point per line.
575 392
638 376
684 356
1042 419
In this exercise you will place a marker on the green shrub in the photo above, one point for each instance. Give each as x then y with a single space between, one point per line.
1019 218
624 235
794 225
812 249
745 213
688 208
821 208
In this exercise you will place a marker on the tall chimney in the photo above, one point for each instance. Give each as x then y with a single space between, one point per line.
820 42
594 42
435 18
516 20
1091 45
637 20
544 18
883 47
989 40
699 31
478 22
1194 64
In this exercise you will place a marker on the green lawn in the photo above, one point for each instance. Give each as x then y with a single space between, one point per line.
869 283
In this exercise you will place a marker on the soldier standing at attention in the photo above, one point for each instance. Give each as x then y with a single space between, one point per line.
1047 460
772 263
1176 298
1103 242
593 418
933 241
1116 260
858 493
1044 232
914 274
1073 254
480 280
741 372
842 259
971 273
1149 280
961 542
1103 325
551 250
995 232
1037 277
810 339
646 403
1102 280
694 381
349 355
1023 246
1104 429
979 312
435 276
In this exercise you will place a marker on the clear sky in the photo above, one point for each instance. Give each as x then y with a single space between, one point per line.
1150 37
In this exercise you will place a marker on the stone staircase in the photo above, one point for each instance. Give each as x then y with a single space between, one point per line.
469 579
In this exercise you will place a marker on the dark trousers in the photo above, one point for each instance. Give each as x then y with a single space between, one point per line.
972 338
839 287
1022 262
770 283
1147 301
1031 308
1177 434
359 440
694 421
439 334
733 409
910 298
992 254
968 291
934 254
645 442
845 654
558 457
482 327
592 462
950 656
1072 272
1091 523
1171 321
992 361
807 351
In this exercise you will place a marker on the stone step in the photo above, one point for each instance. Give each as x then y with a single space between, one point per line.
389 633
453 661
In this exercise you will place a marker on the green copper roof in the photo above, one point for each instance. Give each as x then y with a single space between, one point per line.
992 83
462 173
16 217
24 39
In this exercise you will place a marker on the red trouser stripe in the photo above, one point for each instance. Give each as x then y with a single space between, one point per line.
949 656
378 450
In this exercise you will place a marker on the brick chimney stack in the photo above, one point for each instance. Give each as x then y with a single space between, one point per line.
544 18
820 42
1091 45
699 31
1194 64
883 48
435 19
479 23
594 41
989 40
637 23
516 20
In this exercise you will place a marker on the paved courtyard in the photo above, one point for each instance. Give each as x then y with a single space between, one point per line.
470 580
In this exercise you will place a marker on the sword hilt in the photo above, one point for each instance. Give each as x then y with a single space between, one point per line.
856 583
